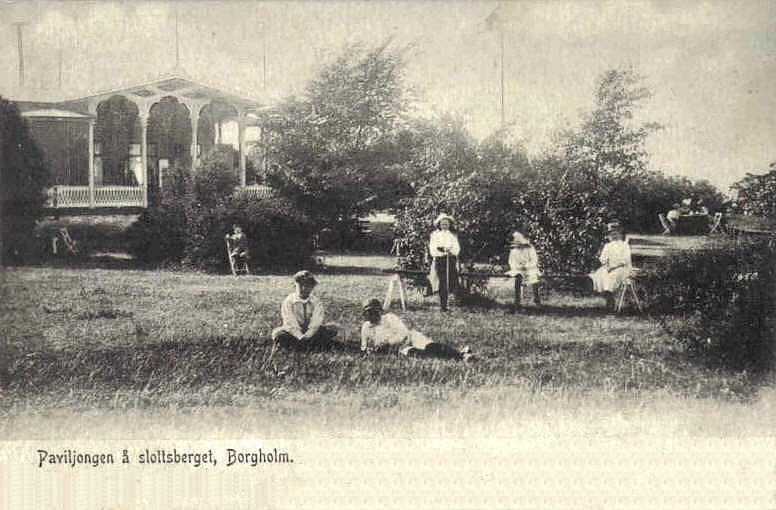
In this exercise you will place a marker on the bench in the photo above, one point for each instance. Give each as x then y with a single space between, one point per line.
627 290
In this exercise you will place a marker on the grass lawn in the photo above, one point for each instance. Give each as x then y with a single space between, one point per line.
169 344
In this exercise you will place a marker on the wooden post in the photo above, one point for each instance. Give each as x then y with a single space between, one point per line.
241 143
91 163
144 155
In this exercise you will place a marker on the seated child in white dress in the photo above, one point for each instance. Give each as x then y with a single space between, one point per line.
615 267
524 265
385 332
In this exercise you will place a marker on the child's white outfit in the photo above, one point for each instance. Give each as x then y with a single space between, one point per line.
391 331
524 261
615 254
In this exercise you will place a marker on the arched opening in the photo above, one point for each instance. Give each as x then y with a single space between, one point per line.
217 130
169 141
117 158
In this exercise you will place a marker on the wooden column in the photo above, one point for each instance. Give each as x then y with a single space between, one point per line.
194 115
91 163
144 154
241 143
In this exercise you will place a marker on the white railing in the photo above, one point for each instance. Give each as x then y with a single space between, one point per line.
69 196
118 196
257 191
104 196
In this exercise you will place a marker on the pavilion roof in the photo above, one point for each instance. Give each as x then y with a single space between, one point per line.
174 83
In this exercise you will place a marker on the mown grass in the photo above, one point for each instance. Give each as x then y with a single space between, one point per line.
79 339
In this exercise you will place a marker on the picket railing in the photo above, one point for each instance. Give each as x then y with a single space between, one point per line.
256 191
60 197
118 196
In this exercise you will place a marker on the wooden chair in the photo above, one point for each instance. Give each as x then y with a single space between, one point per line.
70 244
628 288
236 263
664 222
716 223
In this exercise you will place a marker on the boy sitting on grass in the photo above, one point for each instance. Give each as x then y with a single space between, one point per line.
303 313
385 332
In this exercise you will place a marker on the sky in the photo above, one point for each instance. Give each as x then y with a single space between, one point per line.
710 65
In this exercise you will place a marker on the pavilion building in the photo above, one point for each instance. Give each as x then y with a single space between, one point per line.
112 149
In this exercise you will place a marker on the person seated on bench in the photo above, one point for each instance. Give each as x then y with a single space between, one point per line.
386 333
303 328
615 267
524 265
239 243
699 208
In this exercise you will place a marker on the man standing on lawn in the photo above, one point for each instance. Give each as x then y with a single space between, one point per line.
303 314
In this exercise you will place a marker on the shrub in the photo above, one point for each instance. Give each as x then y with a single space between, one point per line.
566 224
756 194
23 181
161 232
719 302
279 236
188 224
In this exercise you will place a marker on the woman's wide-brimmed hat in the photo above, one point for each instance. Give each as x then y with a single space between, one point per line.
519 239
372 304
441 217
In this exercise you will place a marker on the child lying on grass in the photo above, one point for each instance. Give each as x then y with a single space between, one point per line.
385 332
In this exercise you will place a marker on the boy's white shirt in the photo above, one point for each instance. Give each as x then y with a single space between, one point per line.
291 321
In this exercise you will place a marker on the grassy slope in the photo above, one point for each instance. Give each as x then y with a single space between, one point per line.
85 339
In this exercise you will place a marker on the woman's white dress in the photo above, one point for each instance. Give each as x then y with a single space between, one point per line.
616 254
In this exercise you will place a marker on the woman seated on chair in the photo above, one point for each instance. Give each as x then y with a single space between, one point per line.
524 265
615 267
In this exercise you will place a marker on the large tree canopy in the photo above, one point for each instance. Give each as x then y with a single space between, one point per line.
334 150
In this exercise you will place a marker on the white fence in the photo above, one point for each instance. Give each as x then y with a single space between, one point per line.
104 196
60 197
256 191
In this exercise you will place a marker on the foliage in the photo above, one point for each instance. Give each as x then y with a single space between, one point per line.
491 189
195 212
720 303
756 194
23 181
474 182
279 235
333 152
161 232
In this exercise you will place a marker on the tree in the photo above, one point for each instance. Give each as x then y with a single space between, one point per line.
334 151
23 181
474 181
607 151
756 194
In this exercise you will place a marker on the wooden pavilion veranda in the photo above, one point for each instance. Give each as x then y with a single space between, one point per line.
112 148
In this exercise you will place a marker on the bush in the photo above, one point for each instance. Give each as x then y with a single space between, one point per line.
188 224
719 302
161 232
566 224
756 194
23 184
279 236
